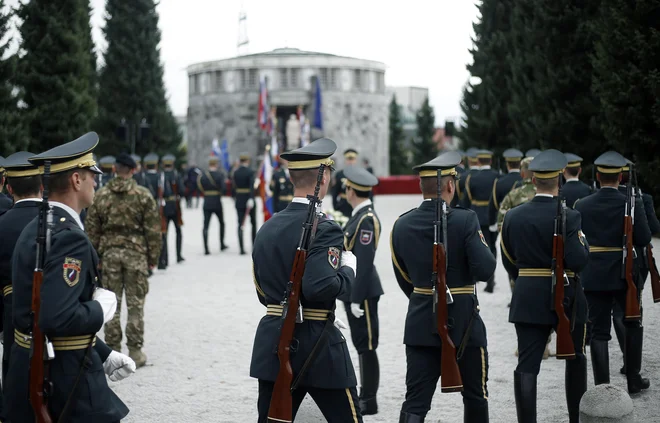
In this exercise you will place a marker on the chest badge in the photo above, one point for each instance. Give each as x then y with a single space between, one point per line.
71 271
333 257
366 237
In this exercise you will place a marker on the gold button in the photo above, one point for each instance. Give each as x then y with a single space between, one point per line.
62 219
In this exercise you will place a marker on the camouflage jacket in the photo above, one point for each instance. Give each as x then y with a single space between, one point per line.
124 215
517 196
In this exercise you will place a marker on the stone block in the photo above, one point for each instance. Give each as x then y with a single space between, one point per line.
606 403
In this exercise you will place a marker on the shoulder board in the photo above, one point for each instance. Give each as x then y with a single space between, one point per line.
409 211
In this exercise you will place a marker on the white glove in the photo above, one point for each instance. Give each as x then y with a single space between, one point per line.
493 228
108 301
118 366
356 310
250 203
2 337
339 324
349 259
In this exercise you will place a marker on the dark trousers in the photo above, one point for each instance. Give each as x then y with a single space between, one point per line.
8 328
423 373
532 340
207 220
364 331
601 305
163 261
337 405
253 223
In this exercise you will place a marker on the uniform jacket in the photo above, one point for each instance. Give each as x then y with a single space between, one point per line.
602 214
11 226
502 186
212 184
460 180
339 201
243 186
141 179
125 216
572 191
469 260
173 187
526 243
67 310
324 280
282 189
153 182
478 190
522 193
361 236
5 203
649 209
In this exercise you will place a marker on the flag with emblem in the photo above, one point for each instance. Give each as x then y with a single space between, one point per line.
265 176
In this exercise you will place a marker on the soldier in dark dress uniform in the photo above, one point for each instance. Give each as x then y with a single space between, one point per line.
361 236
478 190
329 273
338 189
139 175
573 189
5 202
243 193
473 163
469 260
504 184
173 191
526 243
603 217
281 186
212 184
106 163
73 307
642 260
154 179
24 184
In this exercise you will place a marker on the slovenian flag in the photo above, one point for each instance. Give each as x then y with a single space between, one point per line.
263 105
265 176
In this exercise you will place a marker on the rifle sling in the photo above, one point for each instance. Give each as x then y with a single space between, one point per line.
84 367
466 334
312 355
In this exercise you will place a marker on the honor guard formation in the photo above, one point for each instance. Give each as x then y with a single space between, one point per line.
78 237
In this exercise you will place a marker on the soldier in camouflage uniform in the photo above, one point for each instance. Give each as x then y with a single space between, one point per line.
123 224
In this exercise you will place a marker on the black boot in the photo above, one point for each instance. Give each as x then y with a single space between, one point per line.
490 284
162 260
223 246
524 388
205 234
410 418
370 377
475 413
633 356
576 385
600 361
179 242
240 241
620 331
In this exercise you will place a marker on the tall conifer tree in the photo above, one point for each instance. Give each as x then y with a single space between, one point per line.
398 159
12 132
424 148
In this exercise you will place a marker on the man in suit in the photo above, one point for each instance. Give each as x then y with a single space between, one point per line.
573 189
329 273
505 183
173 191
211 183
73 307
603 278
469 260
243 193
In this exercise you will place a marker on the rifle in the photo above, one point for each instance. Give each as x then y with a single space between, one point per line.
565 346
281 402
178 198
451 380
161 203
632 312
41 351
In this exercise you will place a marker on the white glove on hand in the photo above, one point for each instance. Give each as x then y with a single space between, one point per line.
356 310
2 337
118 366
339 324
349 259
108 301
250 203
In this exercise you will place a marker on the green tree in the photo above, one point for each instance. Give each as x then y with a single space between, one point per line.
131 82
54 72
12 131
91 50
424 148
398 160
626 79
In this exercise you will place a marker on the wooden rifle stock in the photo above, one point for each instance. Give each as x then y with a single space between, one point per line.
161 204
565 346
655 277
281 402
177 204
632 312
451 380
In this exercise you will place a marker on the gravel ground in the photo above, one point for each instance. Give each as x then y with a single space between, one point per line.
200 318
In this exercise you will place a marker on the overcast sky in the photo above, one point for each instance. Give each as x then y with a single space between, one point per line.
422 42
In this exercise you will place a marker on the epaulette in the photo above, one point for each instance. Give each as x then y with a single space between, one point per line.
409 211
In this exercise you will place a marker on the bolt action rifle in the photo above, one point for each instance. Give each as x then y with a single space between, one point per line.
41 351
177 195
565 346
281 402
632 312
451 380
161 203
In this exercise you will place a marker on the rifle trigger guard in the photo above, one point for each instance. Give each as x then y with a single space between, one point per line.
294 345
450 322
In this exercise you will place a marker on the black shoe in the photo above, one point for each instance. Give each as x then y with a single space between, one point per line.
206 253
243 253
223 247
600 361
490 285
633 357
575 379
410 418
162 266
475 414
370 378
180 259
524 388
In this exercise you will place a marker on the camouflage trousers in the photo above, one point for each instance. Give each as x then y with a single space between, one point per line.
126 271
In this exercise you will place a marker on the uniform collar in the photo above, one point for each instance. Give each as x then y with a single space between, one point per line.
38 200
75 216
572 180
300 200
544 195
484 167
606 187
514 171
361 206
